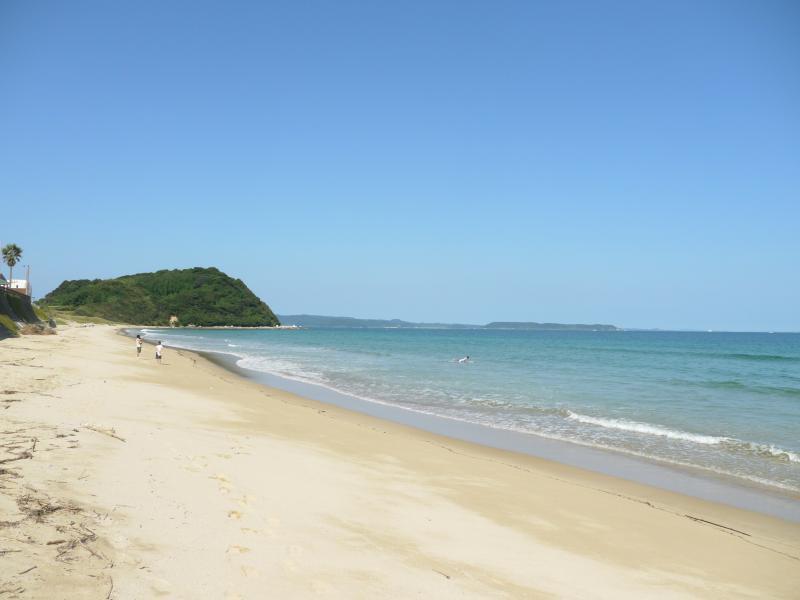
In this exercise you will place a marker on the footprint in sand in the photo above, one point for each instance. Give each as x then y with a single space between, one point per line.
234 514
224 485
246 500
236 549
196 465
249 571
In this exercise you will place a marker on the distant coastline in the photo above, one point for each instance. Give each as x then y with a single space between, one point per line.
355 323
334 322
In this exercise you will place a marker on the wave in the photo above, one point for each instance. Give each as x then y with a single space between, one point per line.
763 450
752 448
646 428
280 367
751 356
767 357
756 389
732 384
516 407
787 391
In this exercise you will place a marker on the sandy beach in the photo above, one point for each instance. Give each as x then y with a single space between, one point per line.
120 478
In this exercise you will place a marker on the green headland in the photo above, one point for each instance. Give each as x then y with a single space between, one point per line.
199 296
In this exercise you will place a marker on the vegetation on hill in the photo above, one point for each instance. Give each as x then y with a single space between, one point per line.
8 328
198 296
15 310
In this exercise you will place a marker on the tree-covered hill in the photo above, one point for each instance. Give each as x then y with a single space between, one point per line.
198 296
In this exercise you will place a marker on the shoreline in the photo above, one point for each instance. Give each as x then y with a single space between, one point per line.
197 483
645 470
683 479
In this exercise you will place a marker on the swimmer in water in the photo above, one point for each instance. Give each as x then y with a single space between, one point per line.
463 360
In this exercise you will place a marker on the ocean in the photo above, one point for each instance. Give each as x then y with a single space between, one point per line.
724 404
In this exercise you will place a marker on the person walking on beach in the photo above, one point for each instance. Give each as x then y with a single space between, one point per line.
138 346
159 351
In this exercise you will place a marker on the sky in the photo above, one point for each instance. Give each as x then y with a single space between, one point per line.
634 163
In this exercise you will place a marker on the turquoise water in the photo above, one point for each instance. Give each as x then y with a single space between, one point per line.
727 403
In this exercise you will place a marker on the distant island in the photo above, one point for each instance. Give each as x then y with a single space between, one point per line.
353 323
550 326
198 296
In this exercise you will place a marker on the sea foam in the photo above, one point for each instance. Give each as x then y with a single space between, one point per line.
646 428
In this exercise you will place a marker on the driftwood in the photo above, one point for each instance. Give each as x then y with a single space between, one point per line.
698 519
109 432
441 573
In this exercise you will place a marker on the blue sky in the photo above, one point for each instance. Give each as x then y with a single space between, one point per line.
635 163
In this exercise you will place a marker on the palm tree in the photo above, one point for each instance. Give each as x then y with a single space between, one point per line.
11 255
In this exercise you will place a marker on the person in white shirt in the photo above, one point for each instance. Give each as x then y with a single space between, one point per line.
159 351
139 343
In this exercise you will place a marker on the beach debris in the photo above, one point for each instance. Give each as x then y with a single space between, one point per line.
82 540
37 508
37 329
7 589
20 456
17 455
10 473
699 520
27 570
109 431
